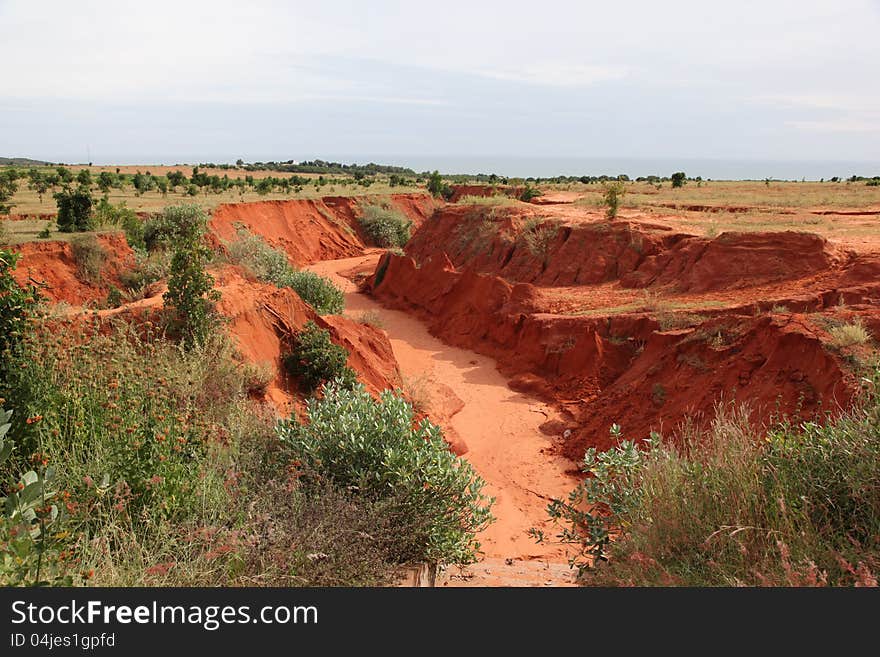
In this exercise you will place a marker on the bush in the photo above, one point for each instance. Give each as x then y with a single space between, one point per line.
377 452
317 291
726 508
190 296
267 263
529 193
270 265
438 188
74 209
384 226
315 359
90 257
679 178
612 196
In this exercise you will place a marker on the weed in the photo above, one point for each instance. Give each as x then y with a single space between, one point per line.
372 318
90 258
848 335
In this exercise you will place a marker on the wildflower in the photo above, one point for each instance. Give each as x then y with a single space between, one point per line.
34 419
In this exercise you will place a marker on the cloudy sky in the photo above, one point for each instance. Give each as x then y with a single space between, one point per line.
182 81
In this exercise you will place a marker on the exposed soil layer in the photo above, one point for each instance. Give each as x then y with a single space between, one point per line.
657 327
312 230
52 267
522 246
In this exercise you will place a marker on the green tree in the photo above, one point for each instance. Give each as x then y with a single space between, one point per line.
84 178
106 181
74 209
611 198
190 296
679 178
8 187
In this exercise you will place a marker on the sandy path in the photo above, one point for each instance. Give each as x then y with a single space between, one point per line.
500 429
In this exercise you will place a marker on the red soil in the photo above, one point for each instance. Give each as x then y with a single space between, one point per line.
638 254
311 230
494 295
51 266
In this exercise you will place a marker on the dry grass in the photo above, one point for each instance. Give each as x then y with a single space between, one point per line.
847 335
491 201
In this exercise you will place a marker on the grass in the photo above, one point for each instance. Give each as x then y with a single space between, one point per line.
653 302
497 200
89 256
720 506
848 335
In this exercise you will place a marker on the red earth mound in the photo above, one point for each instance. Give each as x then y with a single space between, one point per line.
520 245
264 319
311 230
52 267
622 368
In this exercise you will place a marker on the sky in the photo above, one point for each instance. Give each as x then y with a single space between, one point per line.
186 81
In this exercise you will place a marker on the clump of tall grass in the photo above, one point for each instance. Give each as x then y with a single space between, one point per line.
720 506
847 335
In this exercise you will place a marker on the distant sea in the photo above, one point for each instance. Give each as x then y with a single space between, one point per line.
545 167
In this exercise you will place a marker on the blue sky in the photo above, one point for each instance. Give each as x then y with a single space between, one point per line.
182 81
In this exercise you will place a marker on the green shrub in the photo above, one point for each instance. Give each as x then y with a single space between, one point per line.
190 296
267 263
315 359
18 307
384 226
317 291
438 188
44 234
74 209
612 196
90 258
372 447
270 265
726 508
529 193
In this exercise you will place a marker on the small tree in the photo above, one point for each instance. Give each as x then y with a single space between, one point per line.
611 198
84 178
74 209
437 187
191 291
679 178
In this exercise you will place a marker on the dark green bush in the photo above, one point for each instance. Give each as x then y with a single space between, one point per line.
315 359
